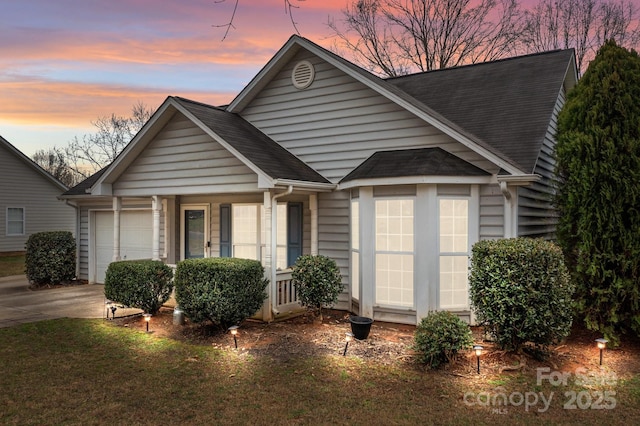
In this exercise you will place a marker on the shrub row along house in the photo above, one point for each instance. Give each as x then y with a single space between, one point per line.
394 179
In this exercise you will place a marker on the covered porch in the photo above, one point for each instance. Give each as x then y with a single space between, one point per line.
274 227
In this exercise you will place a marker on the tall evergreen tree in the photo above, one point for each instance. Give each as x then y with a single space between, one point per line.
598 197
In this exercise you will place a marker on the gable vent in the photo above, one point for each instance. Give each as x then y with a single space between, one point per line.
302 75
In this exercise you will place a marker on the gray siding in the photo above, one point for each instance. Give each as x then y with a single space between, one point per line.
491 212
333 235
338 122
22 186
536 216
182 159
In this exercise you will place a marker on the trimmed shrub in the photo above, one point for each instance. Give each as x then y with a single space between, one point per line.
440 336
142 284
222 290
521 292
317 280
50 257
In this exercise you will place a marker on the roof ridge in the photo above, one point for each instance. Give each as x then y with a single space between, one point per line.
479 64
181 99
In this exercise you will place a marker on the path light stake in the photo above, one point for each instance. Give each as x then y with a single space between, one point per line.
234 331
147 318
602 343
347 339
113 311
478 350
108 303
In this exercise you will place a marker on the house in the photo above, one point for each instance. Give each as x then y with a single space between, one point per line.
29 200
394 179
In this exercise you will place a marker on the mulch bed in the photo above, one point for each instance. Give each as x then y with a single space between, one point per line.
303 336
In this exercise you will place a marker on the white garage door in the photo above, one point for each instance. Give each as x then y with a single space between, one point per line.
136 235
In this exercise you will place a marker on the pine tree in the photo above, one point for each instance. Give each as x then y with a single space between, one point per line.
598 196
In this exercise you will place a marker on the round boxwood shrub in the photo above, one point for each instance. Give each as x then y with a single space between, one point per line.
142 284
440 336
318 281
50 257
224 291
521 291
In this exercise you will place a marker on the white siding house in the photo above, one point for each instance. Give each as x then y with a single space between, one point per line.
394 179
28 200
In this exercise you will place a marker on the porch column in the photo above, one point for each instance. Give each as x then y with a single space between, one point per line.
313 207
426 257
117 206
156 205
367 251
269 271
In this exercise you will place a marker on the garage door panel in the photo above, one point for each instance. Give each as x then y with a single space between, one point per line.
136 235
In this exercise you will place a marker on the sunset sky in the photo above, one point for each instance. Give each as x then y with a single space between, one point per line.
64 63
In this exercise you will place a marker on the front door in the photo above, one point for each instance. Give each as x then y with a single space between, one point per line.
194 226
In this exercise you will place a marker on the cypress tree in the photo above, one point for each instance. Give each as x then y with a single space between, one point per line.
598 194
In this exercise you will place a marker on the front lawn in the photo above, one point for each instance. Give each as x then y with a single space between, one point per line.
11 265
98 372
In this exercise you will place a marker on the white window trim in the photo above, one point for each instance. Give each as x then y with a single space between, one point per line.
354 269
207 231
473 212
412 253
261 245
24 225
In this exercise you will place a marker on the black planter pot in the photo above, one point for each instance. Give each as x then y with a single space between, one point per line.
360 327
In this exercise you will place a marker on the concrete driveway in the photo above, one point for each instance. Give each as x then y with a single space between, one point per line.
20 305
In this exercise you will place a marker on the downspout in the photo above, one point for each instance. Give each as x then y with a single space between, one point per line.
508 210
274 245
77 208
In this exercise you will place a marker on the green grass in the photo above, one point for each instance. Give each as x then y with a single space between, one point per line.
94 372
11 265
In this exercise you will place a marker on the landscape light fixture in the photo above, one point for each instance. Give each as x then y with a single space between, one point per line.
602 343
113 311
347 339
108 303
234 332
478 350
147 318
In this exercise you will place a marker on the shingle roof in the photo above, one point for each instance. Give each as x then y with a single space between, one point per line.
507 103
413 162
254 145
81 188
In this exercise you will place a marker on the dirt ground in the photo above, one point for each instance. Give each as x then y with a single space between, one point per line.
387 344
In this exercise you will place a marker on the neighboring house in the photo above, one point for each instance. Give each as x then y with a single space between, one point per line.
394 179
29 200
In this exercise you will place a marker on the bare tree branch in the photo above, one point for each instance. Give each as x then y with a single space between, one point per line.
394 37
94 151
584 25
288 9
228 25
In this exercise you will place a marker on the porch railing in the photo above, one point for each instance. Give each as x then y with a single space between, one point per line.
286 297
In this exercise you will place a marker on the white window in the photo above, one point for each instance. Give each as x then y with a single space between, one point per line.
394 252
355 249
15 221
454 253
248 233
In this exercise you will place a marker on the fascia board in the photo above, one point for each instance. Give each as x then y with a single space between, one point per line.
32 164
264 75
136 145
414 180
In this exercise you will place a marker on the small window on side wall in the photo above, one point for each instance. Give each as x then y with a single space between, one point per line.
15 221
